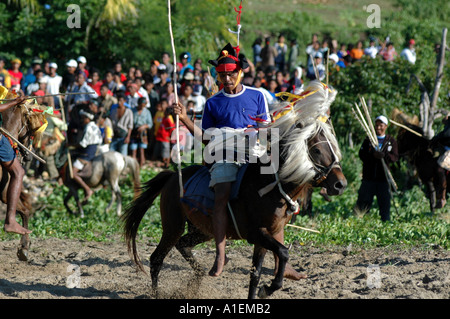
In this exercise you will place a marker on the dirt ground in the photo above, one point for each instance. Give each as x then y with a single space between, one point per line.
71 269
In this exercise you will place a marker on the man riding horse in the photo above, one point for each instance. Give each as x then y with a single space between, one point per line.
11 164
235 106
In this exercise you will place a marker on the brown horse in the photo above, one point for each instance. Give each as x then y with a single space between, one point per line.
419 151
21 122
309 156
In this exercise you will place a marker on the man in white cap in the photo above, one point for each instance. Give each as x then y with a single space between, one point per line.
82 63
69 76
54 82
374 180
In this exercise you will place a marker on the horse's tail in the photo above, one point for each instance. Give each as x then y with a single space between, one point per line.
138 207
133 165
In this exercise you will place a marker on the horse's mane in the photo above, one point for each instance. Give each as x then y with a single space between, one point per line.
301 120
297 166
34 115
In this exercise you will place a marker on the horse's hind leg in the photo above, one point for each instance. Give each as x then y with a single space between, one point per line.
189 241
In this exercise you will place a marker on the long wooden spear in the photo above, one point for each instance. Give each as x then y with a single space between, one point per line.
177 119
48 95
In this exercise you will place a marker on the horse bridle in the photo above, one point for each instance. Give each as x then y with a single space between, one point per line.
322 171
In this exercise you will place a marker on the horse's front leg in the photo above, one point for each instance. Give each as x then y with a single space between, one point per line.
267 241
22 252
255 273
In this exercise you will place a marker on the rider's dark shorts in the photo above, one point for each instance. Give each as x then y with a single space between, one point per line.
7 153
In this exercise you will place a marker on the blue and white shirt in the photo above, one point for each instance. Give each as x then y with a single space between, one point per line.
235 110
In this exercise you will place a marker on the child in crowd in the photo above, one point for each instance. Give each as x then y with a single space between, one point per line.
162 146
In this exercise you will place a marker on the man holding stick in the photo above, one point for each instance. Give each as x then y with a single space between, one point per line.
375 180
11 164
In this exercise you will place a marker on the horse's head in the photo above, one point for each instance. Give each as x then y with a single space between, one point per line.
410 143
22 122
311 155
325 157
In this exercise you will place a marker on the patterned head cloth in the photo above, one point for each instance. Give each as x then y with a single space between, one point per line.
228 60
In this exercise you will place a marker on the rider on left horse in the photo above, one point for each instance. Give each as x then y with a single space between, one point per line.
11 164
86 149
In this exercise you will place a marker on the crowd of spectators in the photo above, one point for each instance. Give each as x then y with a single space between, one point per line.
132 107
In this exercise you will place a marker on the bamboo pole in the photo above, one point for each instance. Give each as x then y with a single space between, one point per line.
303 228
406 128
5 132
177 118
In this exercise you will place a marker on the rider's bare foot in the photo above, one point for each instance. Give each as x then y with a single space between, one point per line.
291 273
217 268
14 227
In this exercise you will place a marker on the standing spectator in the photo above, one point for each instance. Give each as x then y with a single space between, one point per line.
54 82
153 95
165 58
30 77
357 52
342 53
282 49
317 66
187 94
34 86
69 76
118 69
268 54
371 50
118 84
185 59
109 81
15 74
162 146
82 66
142 91
311 52
106 99
374 182
94 81
388 52
105 126
122 120
293 56
80 86
199 100
409 53
5 78
133 95
142 122
256 47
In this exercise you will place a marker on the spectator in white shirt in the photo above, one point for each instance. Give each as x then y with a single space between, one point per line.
372 50
409 52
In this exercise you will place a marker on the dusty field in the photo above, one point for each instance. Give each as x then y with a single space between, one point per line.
70 269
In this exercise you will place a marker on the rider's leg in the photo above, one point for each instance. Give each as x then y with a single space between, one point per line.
16 173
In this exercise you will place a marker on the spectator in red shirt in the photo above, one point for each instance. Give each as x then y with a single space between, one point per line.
162 147
15 74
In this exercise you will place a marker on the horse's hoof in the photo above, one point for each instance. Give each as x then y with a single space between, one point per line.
263 292
22 254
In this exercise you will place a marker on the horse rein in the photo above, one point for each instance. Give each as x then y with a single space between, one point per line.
322 172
